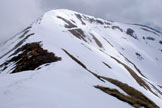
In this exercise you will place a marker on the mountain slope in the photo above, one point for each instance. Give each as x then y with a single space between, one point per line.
68 59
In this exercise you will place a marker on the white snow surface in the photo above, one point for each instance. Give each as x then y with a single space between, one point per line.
66 84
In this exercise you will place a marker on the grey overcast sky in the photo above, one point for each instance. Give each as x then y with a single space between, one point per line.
17 14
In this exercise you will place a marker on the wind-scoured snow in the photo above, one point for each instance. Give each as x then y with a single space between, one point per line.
88 46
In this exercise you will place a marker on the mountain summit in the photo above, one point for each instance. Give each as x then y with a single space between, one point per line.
66 59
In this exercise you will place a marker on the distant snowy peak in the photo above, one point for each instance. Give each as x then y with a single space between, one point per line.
85 55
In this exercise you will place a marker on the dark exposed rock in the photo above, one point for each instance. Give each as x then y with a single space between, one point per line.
80 18
138 70
25 32
69 23
99 21
107 41
148 28
131 33
18 44
117 27
150 38
160 42
78 33
97 41
95 20
139 56
133 97
107 65
73 21
123 48
155 88
107 23
138 79
31 56
160 86
149 31
91 20
75 59
143 38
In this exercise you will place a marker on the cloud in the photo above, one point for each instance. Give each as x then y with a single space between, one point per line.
16 15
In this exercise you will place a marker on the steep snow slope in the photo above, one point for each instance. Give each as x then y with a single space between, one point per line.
68 59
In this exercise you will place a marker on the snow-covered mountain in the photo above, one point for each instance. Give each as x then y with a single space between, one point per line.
70 60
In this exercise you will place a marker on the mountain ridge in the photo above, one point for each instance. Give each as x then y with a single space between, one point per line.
112 52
